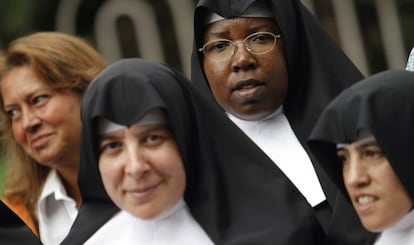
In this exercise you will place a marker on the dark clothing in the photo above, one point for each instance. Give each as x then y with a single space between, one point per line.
317 70
13 231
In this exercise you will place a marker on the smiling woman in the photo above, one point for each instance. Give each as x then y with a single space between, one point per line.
42 80
364 141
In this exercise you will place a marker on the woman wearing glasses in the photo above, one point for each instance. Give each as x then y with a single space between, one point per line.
272 69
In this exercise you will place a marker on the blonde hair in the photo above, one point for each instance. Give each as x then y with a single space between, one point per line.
66 62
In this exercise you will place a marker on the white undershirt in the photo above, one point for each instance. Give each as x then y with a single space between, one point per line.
56 211
277 139
174 227
401 233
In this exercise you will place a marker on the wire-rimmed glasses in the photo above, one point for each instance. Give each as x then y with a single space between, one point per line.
224 49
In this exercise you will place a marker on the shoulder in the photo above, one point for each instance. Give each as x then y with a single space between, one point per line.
21 210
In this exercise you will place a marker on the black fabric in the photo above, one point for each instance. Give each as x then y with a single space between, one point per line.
383 104
13 231
317 69
233 190
92 215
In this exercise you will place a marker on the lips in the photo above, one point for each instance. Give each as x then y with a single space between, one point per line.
364 202
142 192
248 91
365 199
247 84
40 140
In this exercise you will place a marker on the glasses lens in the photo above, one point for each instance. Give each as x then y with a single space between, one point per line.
219 50
261 42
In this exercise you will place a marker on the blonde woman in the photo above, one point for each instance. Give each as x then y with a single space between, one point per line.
42 80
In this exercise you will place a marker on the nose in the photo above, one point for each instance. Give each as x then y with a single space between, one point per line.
355 174
137 164
31 121
242 59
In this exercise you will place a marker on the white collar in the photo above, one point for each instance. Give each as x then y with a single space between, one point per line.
279 111
53 185
55 209
275 137
401 233
175 226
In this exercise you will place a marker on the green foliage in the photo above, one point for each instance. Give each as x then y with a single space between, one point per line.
2 168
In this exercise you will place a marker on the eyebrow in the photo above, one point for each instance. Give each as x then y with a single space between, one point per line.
149 128
250 29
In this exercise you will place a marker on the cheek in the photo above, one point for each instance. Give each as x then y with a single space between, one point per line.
175 170
398 196
214 71
276 65
111 174
18 133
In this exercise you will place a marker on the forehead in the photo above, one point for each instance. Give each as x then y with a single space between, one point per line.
23 78
241 24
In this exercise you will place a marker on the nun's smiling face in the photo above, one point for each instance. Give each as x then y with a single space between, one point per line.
142 169
373 187
249 86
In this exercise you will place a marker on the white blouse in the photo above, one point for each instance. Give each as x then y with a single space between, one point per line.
56 210
277 139
401 233
175 226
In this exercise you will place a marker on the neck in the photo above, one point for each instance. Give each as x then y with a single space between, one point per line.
69 177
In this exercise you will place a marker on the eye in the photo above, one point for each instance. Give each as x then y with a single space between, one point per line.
342 156
39 99
373 152
262 38
218 46
13 113
154 139
108 147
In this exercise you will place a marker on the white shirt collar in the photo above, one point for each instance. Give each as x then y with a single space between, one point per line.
55 209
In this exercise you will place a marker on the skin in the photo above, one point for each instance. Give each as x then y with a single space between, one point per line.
248 86
142 169
373 187
45 122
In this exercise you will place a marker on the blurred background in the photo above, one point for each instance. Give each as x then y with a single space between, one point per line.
376 34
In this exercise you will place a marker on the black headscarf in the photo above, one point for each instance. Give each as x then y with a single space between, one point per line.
383 104
231 186
317 71
13 231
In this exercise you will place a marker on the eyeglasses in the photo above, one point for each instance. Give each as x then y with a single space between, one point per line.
224 49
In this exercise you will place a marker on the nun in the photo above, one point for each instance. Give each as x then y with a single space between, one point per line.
228 192
272 68
364 140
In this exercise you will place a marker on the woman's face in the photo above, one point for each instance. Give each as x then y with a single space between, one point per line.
373 187
45 122
142 169
249 86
